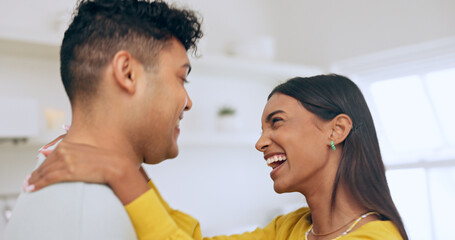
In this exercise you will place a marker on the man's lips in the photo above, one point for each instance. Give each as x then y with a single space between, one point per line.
177 125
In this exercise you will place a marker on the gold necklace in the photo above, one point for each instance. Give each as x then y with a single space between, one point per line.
310 229
336 230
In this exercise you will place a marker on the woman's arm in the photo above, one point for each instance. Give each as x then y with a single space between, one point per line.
151 222
151 216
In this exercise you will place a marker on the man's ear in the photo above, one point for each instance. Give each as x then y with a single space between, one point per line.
126 70
341 126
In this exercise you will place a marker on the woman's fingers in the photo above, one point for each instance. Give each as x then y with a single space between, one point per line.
48 174
52 142
53 158
59 166
49 178
46 152
71 162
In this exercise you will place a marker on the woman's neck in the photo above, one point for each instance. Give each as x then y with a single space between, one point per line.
326 218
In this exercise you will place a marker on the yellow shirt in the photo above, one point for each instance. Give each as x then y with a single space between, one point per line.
153 219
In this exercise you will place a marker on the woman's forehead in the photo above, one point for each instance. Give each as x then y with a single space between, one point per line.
279 100
281 103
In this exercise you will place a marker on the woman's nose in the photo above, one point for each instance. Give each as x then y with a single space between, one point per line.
262 143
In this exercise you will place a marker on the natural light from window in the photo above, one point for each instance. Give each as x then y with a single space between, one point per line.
415 118
441 88
407 116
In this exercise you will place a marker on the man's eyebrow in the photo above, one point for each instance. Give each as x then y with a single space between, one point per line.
187 65
269 117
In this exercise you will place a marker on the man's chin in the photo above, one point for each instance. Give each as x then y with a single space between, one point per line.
172 153
153 162
173 150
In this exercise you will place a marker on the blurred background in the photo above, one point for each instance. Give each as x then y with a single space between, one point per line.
400 52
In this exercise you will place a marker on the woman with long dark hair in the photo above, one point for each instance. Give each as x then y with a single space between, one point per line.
323 134
317 135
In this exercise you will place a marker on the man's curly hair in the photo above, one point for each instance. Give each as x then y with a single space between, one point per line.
101 28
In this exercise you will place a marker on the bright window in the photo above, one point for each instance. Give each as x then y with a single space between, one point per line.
406 113
441 89
414 205
442 196
415 118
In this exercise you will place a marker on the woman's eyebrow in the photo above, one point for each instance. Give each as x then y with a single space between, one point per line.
269 117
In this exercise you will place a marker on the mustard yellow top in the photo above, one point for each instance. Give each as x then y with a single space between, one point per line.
152 218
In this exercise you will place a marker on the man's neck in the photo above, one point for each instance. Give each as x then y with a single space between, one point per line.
103 136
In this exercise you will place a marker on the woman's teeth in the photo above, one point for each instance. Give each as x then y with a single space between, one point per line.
276 160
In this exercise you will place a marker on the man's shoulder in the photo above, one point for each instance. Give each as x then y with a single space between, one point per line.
64 210
75 199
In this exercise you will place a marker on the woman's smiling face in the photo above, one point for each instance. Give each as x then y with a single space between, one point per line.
294 142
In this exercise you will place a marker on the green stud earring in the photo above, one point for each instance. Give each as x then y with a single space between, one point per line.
333 146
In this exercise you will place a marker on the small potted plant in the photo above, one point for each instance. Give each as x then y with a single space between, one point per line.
226 111
227 119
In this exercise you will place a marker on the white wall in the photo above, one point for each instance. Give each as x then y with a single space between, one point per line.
229 22
27 73
322 32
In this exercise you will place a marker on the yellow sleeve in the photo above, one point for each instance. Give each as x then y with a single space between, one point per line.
267 233
152 218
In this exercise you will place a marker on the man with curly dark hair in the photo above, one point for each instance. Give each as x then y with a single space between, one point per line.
123 65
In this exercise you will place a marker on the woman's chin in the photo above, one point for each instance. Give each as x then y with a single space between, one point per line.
278 188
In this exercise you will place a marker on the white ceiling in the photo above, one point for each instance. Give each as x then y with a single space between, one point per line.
41 21
305 31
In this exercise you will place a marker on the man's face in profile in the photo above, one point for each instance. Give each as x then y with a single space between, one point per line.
164 101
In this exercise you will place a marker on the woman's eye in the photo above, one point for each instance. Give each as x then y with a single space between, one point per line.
275 120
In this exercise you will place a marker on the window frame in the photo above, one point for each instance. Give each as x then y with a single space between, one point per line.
419 59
